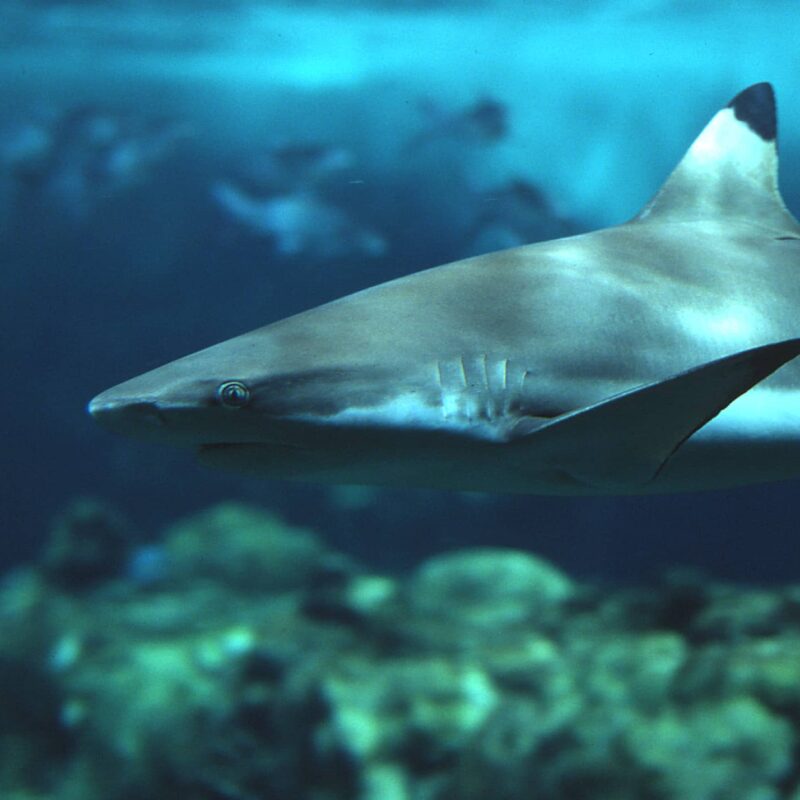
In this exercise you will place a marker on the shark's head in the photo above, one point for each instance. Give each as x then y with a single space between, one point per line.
296 398
208 397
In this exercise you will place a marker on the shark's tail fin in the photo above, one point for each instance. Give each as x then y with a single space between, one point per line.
731 169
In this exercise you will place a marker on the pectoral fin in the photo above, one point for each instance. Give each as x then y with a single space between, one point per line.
622 442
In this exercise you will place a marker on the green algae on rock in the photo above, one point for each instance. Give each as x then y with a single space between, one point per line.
245 547
488 588
89 543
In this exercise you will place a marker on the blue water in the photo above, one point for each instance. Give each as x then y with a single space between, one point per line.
102 283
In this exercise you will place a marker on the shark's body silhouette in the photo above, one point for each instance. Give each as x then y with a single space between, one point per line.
633 359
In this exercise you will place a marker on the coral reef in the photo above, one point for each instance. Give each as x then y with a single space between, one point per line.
262 665
89 543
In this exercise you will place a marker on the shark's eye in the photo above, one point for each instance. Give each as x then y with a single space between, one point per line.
233 394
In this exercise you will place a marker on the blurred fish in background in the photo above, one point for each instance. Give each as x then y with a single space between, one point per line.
294 165
281 196
512 214
483 122
25 146
85 156
299 224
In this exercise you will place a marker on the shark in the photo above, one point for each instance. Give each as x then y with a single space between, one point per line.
655 356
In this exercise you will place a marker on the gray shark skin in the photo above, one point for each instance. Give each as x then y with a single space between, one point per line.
655 356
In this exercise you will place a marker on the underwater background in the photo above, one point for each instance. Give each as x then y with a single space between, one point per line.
433 131
175 173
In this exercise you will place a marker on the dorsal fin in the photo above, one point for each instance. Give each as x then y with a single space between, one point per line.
731 169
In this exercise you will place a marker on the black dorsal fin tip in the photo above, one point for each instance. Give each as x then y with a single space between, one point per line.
755 106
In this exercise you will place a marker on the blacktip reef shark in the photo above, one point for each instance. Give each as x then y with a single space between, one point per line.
653 356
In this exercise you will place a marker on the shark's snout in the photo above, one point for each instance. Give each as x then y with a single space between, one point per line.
122 414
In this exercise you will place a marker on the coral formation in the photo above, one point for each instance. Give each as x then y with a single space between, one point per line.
89 543
263 665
